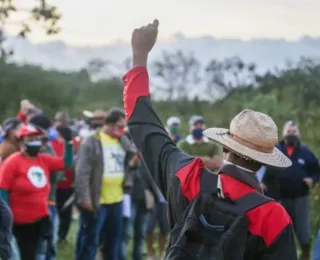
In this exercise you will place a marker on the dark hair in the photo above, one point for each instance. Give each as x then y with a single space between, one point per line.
113 116
9 124
41 121
243 161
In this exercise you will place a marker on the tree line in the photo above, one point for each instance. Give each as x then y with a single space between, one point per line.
176 72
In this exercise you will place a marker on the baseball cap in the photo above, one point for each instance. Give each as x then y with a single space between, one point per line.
196 119
173 120
41 121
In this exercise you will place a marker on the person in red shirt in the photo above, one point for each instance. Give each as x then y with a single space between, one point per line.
24 184
64 186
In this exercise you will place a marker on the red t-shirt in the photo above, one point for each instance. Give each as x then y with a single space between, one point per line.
290 150
27 182
58 148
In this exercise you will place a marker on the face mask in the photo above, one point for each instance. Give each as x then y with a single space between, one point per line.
197 133
291 140
117 132
95 125
173 130
32 148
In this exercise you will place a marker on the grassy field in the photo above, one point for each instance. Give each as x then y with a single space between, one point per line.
66 251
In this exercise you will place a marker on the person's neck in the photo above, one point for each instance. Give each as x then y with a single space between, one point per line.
241 167
198 141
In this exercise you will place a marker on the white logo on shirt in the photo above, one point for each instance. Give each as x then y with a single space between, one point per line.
37 176
113 158
301 161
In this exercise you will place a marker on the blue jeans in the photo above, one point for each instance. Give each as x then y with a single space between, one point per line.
105 224
316 248
138 224
65 214
159 216
47 245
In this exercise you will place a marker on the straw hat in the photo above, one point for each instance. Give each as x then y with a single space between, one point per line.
99 114
252 135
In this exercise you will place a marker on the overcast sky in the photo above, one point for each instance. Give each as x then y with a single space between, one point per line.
97 22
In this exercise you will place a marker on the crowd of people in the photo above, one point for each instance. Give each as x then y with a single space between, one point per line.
116 196
44 175
124 186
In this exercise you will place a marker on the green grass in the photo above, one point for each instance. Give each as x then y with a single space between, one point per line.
66 251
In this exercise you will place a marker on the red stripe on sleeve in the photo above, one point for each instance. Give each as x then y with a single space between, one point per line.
136 84
189 177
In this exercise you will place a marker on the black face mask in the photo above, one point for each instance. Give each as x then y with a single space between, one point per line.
96 125
291 140
32 148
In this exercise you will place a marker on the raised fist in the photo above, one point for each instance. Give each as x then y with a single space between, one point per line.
144 38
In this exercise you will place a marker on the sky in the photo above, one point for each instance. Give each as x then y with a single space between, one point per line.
98 22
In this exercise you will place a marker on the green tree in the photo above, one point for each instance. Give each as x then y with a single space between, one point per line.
41 12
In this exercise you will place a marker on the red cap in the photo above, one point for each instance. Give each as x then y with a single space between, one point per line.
26 130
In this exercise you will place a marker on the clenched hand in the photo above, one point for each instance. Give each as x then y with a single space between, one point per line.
142 41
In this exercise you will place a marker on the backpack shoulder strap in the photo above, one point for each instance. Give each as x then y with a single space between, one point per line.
208 182
252 200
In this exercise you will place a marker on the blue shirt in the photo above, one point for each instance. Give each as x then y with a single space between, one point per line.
261 172
52 134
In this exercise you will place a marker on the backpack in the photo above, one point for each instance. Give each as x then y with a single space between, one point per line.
212 228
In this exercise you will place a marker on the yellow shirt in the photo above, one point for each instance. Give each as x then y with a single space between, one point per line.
113 159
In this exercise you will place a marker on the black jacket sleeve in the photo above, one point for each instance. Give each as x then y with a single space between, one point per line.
150 183
161 156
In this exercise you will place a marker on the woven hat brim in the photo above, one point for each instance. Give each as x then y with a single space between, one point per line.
222 137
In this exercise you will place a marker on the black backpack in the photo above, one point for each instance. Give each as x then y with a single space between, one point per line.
212 228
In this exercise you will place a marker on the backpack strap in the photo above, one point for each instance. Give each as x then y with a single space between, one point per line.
209 182
252 200
209 186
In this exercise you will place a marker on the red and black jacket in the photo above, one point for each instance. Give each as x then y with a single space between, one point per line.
179 175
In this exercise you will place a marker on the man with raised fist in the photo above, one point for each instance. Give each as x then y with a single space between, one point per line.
217 216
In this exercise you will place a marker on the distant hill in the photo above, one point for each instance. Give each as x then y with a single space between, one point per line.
266 53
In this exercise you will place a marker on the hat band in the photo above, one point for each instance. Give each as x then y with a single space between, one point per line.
253 146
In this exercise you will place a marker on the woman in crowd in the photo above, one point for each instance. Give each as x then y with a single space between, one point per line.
24 185
65 186
9 146
47 245
10 143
